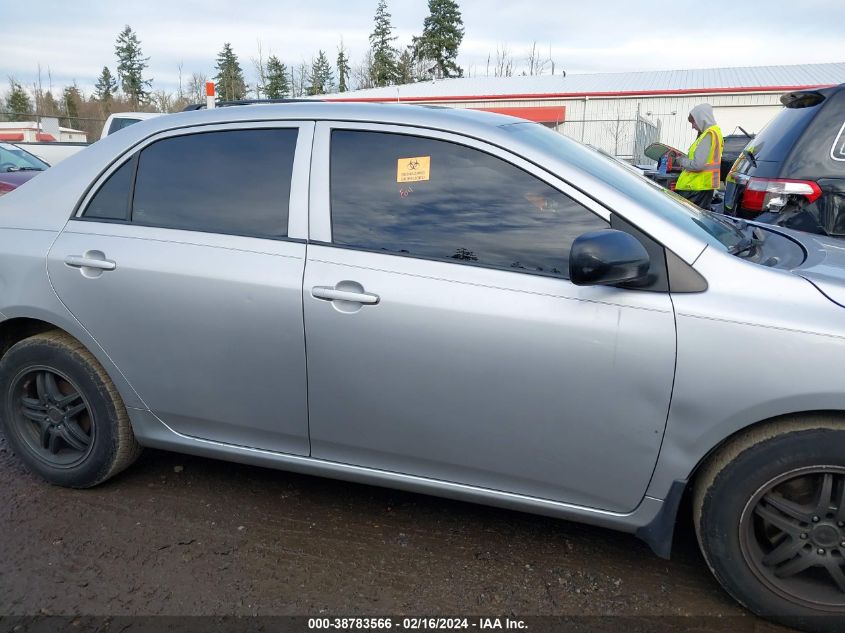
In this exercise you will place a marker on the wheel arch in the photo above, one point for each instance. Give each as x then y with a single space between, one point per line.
20 325
658 533
779 421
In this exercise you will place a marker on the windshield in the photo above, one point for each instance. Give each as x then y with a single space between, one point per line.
714 228
13 158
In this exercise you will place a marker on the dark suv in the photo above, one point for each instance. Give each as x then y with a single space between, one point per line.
793 173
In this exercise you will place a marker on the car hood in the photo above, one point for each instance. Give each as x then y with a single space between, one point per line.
17 178
824 266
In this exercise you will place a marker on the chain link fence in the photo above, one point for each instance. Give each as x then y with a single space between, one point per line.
626 139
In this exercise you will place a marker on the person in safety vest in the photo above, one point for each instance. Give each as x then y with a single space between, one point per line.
700 168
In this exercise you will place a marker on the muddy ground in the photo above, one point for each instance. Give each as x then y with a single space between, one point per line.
178 535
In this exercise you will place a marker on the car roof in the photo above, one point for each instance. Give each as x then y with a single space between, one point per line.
450 119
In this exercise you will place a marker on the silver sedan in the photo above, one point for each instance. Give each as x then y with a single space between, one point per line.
450 302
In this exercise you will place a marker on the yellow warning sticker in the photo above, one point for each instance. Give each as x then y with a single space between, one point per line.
414 169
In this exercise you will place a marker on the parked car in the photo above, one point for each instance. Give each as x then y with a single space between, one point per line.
493 312
119 120
731 151
793 173
17 167
51 152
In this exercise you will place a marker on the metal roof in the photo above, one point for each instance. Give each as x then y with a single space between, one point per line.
741 79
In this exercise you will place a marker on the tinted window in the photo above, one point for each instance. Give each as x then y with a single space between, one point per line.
647 193
782 132
440 200
235 182
111 202
119 124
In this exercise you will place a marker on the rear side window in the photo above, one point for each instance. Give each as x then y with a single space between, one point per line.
433 199
780 135
111 202
235 182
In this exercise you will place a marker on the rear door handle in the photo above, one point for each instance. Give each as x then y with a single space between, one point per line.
334 294
80 261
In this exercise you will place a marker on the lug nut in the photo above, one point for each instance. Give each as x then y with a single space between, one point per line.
815 519
820 551
803 535
840 523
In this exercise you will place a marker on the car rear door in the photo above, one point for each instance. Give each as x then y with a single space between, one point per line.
185 262
444 339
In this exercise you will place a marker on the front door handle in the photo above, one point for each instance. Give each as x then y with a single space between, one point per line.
83 261
338 294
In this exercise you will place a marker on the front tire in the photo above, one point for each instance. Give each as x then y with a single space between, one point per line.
61 414
769 511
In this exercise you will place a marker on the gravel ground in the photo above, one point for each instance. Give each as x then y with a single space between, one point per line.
179 535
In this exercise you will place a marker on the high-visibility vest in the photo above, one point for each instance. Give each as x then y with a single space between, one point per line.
707 178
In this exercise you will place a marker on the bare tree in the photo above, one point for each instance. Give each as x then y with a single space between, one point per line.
162 101
260 71
299 79
362 74
180 95
196 88
537 64
504 62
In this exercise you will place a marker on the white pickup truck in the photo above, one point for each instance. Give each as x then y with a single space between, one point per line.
52 152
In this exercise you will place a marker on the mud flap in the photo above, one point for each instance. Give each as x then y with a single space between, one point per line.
660 532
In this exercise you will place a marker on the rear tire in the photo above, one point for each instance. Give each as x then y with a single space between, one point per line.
769 510
61 414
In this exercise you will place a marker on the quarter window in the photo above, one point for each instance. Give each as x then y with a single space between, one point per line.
111 202
434 199
235 182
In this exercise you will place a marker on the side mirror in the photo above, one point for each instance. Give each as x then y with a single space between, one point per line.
607 257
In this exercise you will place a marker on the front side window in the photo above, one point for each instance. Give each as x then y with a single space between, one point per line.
422 197
235 182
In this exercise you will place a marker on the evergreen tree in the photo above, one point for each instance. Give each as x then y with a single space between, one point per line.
277 86
342 69
320 78
405 67
230 77
49 107
105 87
18 103
381 41
443 31
71 100
130 68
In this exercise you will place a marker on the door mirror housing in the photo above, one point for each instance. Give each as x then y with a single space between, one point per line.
607 257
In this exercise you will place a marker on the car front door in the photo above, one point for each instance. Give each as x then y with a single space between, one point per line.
185 262
444 339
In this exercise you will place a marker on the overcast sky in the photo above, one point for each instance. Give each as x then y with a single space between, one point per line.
76 39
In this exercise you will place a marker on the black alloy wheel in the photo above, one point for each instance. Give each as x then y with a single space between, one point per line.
792 536
52 416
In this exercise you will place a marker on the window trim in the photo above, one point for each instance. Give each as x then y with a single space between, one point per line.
839 137
320 217
300 176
